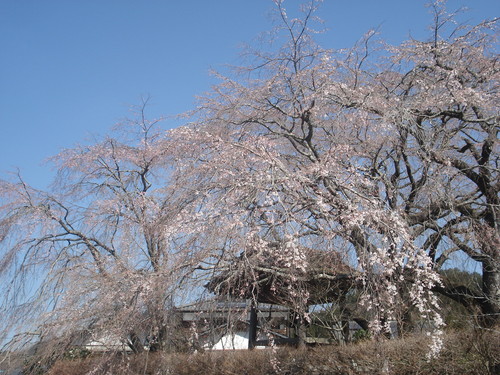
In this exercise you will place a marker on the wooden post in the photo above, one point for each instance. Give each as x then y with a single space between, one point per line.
252 329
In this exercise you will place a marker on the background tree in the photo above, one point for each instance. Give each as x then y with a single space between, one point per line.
95 255
441 170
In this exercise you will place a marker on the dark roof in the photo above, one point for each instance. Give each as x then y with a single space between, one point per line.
269 276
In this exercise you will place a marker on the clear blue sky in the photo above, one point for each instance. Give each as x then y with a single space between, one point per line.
69 69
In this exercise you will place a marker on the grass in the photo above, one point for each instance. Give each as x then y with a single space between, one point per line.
465 352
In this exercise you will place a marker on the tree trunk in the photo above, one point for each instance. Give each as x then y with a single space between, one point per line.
490 308
345 316
159 341
302 324
135 343
301 334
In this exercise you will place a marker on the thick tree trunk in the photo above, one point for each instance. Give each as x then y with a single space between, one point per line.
301 334
135 343
159 341
298 329
345 317
490 308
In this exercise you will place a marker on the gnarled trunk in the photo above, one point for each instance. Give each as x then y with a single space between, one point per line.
490 308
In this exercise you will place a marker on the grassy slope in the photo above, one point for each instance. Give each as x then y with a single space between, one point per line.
466 352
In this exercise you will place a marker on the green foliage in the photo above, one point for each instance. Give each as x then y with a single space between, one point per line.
77 353
361 335
455 314
456 277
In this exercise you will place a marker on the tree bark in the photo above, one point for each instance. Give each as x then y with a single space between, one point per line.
490 308
135 343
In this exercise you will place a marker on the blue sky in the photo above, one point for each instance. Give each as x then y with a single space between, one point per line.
70 69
